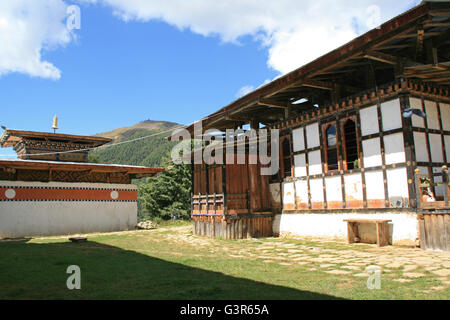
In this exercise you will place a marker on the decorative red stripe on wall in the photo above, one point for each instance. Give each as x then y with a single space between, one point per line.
66 194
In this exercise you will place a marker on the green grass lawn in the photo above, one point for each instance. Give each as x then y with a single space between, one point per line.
158 265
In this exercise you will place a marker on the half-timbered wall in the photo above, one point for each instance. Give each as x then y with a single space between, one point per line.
432 138
374 179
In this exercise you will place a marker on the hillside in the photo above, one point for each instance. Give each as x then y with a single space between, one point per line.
147 152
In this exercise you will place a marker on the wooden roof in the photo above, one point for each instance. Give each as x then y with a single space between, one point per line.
72 166
414 45
10 138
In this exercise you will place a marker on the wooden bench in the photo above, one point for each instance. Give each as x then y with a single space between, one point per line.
382 230
78 239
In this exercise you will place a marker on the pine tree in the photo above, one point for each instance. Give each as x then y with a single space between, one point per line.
168 194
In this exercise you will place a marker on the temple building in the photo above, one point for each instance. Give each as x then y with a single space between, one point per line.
364 134
51 189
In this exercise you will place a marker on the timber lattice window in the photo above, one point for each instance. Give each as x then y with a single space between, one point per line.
331 150
350 144
286 158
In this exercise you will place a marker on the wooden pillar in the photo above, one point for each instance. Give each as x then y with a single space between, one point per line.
410 155
417 187
445 182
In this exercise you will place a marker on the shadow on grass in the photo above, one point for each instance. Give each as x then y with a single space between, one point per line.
38 271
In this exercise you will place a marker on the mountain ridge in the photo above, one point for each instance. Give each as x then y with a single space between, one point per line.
149 152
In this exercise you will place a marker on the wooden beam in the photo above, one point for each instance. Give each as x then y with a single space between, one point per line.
419 43
441 39
273 104
381 57
396 46
413 35
427 74
437 24
243 118
318 85
439 13
446 79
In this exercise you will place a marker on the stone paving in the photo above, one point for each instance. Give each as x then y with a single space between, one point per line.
400 264
331 256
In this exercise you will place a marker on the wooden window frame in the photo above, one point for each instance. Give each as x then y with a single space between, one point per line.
343 121
283 157
325 127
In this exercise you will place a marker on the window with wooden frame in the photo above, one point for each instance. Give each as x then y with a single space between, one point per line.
286 158
350 143
331 150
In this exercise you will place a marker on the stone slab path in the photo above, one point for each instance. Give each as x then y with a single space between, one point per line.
400 264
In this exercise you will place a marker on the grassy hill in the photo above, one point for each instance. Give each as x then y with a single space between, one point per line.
146 152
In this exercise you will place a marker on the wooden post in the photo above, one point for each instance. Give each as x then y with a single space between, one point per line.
418 191
352 232
445 182
382 234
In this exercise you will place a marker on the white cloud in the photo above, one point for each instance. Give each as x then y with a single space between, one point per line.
249 88
244 91
27 28
295 32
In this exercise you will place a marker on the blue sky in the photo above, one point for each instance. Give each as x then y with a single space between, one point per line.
138 60
119 73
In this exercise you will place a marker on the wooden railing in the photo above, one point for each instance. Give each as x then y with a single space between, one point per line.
208 204
219 204
425 189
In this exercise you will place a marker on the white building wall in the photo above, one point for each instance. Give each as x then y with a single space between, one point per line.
403 226
369 121
37 217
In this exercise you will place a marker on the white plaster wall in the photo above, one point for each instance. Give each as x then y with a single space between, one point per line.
404 225
432 115
300 165
39 218
436 148
445 116
397 181
301 189
353 187
394 148
420 144
288 193
417 121
315 163
372 153
391 115
312 135
333 188
298 139
369 121
447 146
374 185
44 218
316 190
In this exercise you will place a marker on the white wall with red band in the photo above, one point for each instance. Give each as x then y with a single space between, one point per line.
35 208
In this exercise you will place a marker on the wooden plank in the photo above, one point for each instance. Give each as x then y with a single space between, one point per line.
427 223
447 230
368 220
441 232
352 231
382 234
434 232
423 242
